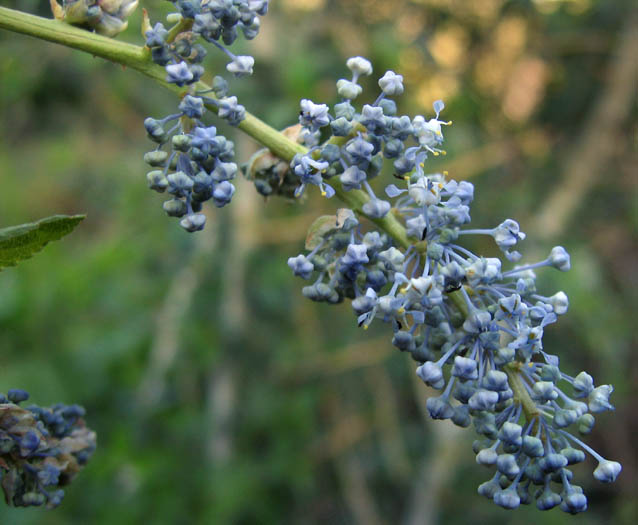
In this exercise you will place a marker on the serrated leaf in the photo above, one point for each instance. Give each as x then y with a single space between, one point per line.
18 243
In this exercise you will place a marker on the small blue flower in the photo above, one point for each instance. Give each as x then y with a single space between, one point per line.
341 127
559 258
376 208
508 498
487 456
231 111
179 184
205 139
391 84
507 464
439 408
16 395
510 434
223 193
495 380
194 222
301 266
356 255
464 368
192 107
533 447
431 374
179 74
360 151
313 116
48 475
352 177
607 471
359 66
574 502
483 400
583 385
29 443
157 36
548 500
241 66
599 399
348 89
372 117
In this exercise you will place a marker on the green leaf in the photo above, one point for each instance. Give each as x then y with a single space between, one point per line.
18 243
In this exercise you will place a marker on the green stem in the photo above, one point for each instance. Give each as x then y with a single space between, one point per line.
139 59
513 371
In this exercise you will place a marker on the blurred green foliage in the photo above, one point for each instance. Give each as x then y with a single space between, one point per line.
218 393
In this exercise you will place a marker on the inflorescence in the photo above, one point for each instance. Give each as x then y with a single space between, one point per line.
41 449
474 327
198 165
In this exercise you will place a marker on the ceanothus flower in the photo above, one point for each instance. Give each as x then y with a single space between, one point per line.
391 84
348 89
179 74
192 107
372 117
360 151
301 266
359 66
559 258
356 255
205 139
474 327
231 111
223 193
157 36
241 66
41 448
376 208
194 222
352 177
313 116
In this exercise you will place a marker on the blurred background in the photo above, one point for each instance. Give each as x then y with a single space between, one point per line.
219 394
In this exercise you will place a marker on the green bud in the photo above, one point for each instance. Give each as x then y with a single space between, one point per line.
157 181
181 142
175 208
156 158
435 251
586 423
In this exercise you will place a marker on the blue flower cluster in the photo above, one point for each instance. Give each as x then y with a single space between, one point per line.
474 327
370 135
41 449
212 20
198 166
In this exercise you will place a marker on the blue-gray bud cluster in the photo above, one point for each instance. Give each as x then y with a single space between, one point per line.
475 328
192 161
214 21
197 168
370 134
41 449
